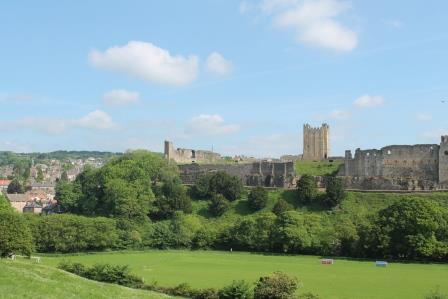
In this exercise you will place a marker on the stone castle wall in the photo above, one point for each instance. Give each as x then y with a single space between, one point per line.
183 155
261 173
316 143
398 167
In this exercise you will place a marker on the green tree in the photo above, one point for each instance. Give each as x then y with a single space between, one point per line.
307 189
222 183
218 205
413 228
238 289
281 206
4 204
16 186
334 191
67 194
171 197
64 176
40 175
276 286
258 198
15 236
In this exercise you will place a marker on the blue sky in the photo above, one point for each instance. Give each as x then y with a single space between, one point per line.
239 76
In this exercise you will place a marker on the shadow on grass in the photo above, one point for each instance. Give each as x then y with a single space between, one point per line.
242 208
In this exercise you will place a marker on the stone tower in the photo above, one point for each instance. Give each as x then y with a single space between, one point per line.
168 150
316 142
443 162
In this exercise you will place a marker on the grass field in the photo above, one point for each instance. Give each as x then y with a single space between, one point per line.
316 168
23 280
344 279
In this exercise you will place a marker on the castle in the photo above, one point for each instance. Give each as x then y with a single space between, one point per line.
398 167
183 155
316 142
195 163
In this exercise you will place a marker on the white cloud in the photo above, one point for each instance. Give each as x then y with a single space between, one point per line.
206 124
313 22
120 97
368 101
148 62
97 120
217 64
424 117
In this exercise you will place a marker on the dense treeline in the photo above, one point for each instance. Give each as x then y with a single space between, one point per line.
137 201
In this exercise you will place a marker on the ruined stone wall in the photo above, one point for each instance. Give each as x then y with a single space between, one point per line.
396 167
316 143
183 155
261 173
443 162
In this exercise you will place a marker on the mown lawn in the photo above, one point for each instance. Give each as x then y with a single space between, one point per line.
344 279
21 279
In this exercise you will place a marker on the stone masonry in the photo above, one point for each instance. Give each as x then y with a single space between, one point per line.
398 167
183 155
260 173
316 142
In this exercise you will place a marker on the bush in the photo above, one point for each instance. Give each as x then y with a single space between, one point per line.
71 233
105 273
276 286
436 294
307 189
257 199
237 290
218 205
281 206
15 235
335 191
222 183
205 294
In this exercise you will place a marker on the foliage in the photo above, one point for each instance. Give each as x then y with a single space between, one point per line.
171 197
276 286
40 175
334 191
15 236
220 182
413 228
117 274
258 198
436 294
218 205
16 186
238 289
306 189
122 188
71 233
281 206
4 204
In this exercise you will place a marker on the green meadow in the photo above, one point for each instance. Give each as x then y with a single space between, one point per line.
344 279
316 168
25 279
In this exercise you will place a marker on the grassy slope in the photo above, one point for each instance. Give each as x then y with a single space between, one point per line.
344 279
27 280
316 168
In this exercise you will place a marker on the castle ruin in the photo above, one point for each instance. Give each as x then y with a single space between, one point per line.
183 155
316 142
398 167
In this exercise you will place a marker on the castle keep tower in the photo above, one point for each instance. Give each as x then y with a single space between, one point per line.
443 162
316 142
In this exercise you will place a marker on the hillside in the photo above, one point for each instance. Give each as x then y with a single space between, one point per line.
25 280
